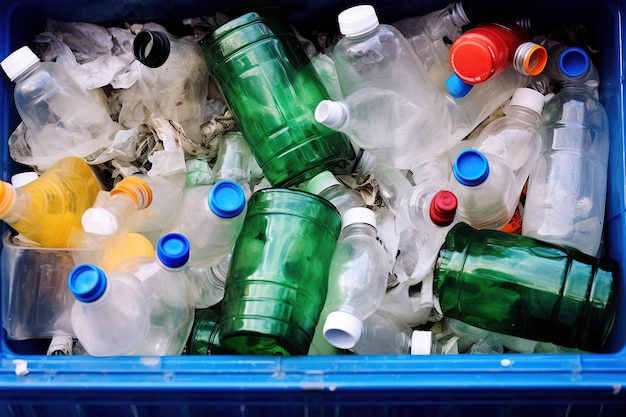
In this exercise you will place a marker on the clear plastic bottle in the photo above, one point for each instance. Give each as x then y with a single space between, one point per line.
233 159
326 185
169 295
211 217
388 125
174 79
566 195
53 105
106 251
116 213
357 279
111 314
484 189
48 210
208 282
423 206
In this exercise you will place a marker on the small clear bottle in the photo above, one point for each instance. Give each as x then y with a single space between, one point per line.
111 314
53 105
233 159
208 282
357 278
326 185
116 213
211 217
169 295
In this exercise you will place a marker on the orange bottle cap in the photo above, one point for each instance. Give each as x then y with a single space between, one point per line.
135 188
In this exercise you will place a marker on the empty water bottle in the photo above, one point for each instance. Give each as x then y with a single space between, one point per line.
169 295
566 194
61 117
208 282
174 79
327 186
111 314
357 279
234 159
211 217
48 210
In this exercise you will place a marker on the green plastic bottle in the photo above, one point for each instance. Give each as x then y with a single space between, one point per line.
525 287
204 339
272 89
278 277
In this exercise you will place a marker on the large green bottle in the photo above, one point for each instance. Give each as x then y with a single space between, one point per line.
525 287
272 89
278 276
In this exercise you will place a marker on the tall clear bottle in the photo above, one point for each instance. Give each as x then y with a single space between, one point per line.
48 210
211 217
566 194
357 279
111 314
169 295
53 105
174 79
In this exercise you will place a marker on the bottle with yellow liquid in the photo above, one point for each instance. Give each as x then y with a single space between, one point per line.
49 209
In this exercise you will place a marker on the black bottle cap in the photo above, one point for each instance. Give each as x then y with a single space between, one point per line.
151 48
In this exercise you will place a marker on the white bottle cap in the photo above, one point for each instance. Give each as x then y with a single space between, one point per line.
99 221
357 20
331 114
529 98
23 178
342 330
321 181
358 215
421 342
19 61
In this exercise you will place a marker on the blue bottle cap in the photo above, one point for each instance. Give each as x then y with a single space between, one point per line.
457 87
173 250
471 167
574 62
87 282
227 199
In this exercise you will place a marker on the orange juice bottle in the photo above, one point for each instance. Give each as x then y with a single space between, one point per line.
49 209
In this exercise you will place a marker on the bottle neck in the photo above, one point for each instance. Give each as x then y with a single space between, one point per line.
360 229
27 72
524 114
457 14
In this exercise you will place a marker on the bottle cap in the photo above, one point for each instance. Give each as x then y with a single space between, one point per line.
530 58
574 62
7 198
443 208
342 330
472 59
173 250
458 15
529 98
151 48
331 114
99 221
457 87
87 282
227 199
321 181
23 178
421 342
357 20
358 215
18 62
471 167
365 163
135 188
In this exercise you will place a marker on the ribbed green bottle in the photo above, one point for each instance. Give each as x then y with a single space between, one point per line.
525 287
272 89
278 277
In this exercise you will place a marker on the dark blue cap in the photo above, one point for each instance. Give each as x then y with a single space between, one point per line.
173 250
87 282
471 167
227 199
457 87
574 62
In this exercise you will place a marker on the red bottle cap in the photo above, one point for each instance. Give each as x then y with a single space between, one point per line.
443 208
484 51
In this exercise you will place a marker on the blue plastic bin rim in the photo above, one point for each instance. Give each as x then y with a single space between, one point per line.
471 167
574 62
87 282
227 199
173 250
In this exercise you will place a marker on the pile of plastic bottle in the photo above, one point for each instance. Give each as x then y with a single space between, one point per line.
431 185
